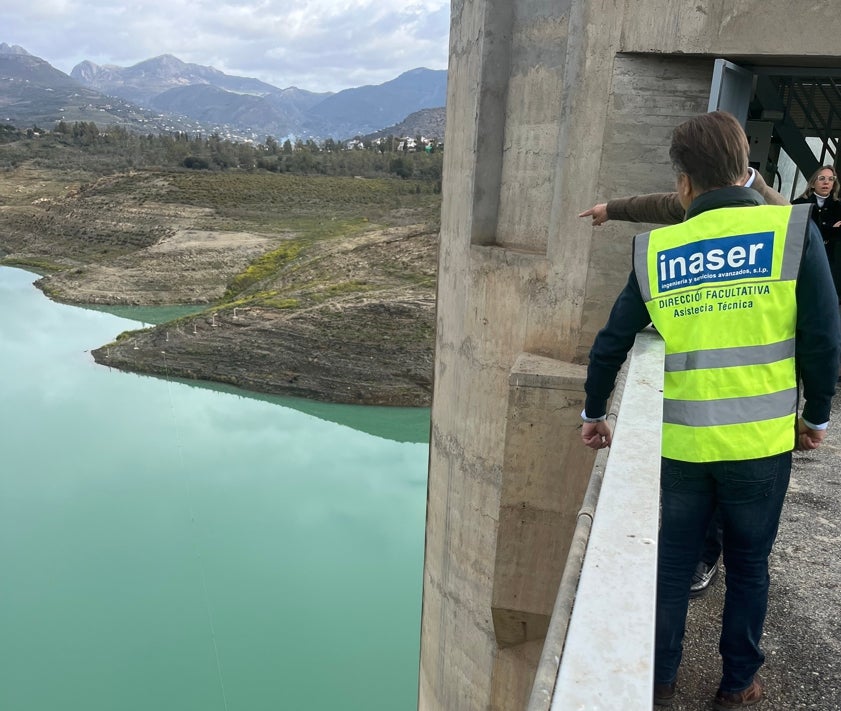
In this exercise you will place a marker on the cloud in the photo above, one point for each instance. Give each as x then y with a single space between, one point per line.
318 45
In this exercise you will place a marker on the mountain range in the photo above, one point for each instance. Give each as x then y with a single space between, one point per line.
166 94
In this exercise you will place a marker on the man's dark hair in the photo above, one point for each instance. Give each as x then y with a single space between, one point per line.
712 149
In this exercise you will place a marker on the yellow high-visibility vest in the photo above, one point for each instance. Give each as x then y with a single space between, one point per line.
720 289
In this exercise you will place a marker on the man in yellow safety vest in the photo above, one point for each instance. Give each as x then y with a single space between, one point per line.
742 295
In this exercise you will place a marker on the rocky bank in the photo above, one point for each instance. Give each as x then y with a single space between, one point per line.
346 318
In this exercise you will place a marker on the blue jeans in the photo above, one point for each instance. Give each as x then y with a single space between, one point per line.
749 495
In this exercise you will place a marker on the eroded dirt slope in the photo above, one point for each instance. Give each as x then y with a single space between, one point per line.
331 302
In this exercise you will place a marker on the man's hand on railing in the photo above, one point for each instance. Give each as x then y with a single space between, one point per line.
596 435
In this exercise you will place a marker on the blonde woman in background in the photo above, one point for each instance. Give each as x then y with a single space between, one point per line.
822 192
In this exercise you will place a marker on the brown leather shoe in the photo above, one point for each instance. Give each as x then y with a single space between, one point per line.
664 694
726 700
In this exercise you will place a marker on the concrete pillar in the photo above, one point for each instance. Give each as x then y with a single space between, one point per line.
506 474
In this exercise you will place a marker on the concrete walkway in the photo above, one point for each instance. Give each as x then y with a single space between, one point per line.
802 639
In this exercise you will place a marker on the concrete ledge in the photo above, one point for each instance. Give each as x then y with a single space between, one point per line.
534 371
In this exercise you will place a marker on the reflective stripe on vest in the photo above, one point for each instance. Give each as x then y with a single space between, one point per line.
725 305
728 357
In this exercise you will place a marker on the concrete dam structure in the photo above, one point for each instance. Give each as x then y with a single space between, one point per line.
554 105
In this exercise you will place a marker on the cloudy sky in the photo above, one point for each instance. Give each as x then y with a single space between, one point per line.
317 45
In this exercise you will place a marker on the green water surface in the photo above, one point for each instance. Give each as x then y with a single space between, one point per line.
167 547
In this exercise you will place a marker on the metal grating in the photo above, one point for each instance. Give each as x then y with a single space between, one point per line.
813 105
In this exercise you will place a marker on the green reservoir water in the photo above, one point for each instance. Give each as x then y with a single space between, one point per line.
171 547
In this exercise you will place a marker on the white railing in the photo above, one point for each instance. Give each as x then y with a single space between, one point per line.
600 656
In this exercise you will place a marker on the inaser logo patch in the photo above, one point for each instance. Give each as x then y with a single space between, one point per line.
715 260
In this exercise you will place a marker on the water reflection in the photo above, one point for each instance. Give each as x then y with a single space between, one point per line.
396 423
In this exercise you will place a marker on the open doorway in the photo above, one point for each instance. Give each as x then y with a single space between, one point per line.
792 116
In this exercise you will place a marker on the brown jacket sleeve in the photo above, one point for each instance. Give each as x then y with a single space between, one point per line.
771 196
665 208
660 208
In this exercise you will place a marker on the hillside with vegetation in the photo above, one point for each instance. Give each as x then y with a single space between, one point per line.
311 267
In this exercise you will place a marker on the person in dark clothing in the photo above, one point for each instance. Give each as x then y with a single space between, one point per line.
723 289
822 193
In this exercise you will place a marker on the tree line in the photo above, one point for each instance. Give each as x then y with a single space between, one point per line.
122 149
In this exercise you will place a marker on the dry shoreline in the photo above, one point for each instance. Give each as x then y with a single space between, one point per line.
348 317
